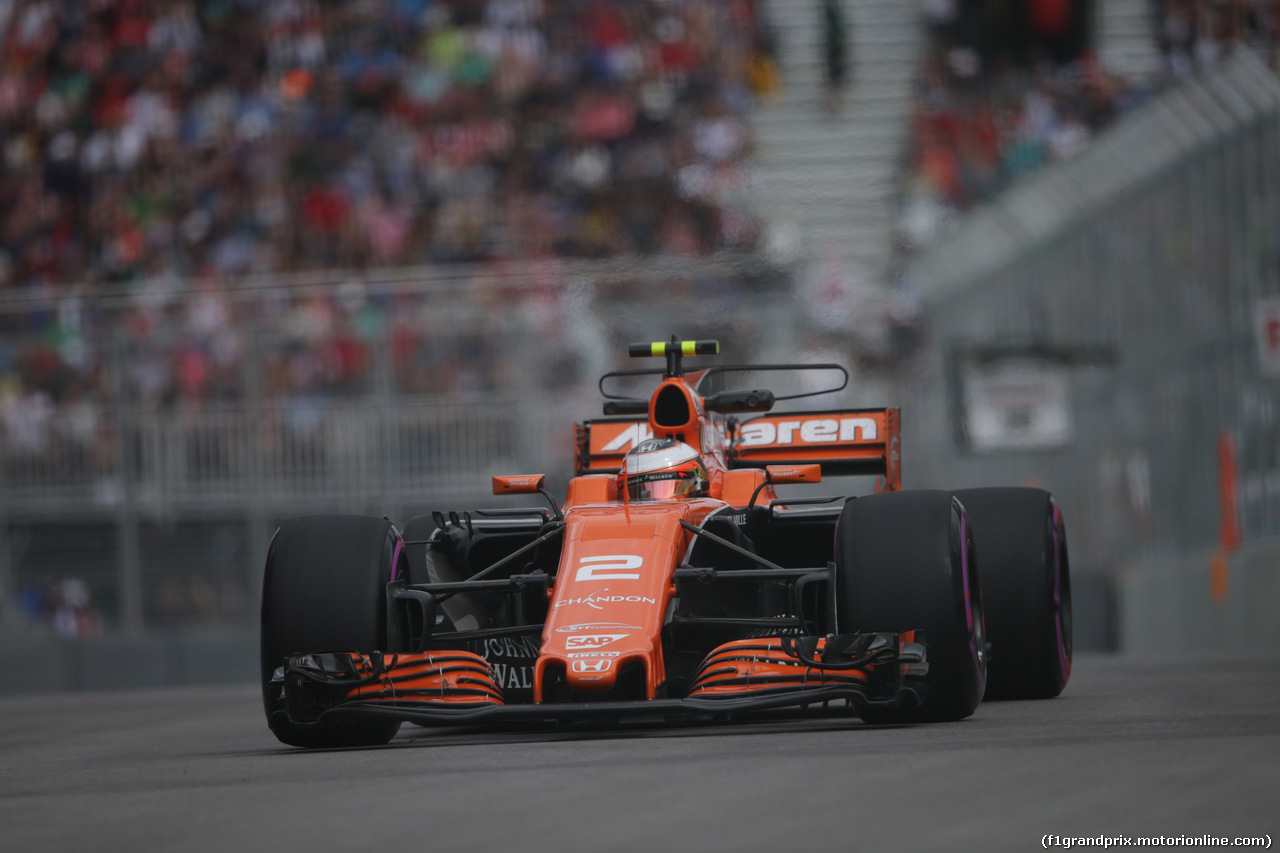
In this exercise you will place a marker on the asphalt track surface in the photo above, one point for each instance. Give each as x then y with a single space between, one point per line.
1131 748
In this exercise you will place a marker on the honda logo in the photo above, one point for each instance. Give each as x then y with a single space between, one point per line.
592 665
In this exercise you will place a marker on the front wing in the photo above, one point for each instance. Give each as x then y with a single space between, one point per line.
831 674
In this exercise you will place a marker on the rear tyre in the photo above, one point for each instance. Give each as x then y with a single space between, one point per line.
1026 586
905 561
324 590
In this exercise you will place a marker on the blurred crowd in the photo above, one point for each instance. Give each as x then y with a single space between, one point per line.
145 138
64 606
1194 34
163 148
989 112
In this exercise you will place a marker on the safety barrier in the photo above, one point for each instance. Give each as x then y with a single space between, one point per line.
1111 330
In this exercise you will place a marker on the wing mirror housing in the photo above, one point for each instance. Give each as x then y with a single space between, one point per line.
730 402
626 407
794 473
527 484
520 484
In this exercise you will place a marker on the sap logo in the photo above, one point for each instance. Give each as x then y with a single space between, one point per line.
598 598
612 567
592 665
812 431
629 437
592 641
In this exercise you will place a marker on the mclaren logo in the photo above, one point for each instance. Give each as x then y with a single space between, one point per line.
629 437
808 431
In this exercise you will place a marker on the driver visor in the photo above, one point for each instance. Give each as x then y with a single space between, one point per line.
658 490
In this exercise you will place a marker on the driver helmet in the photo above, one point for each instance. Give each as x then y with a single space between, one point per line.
659 469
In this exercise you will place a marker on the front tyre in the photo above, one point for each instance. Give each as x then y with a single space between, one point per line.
905 561
324 590
1026 584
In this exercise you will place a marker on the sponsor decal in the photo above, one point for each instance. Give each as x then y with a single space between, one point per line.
510 647
592 665
629 437
596 599
809 431
593 654
511 677
598 626
507 658
522 482
592 641
610 567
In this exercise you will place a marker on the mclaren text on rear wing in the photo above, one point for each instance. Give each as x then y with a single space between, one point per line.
847 442
852 442
603 442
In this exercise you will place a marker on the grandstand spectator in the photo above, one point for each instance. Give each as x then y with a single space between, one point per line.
997 99
982 120
149 145
1192 34
240 137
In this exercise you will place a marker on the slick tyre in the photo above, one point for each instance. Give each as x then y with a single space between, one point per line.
324 590
905 561
1026 585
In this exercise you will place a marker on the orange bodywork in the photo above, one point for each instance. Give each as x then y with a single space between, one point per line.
611 601
615 581
518 485
436 678
853 441
858 442
744 667
613 591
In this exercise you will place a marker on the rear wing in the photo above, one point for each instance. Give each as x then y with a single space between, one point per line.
844 442
849 442
602 442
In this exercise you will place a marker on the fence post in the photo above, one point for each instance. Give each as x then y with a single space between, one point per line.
128 557
8 604
388 486
257 525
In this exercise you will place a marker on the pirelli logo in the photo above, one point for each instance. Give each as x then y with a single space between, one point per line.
782 432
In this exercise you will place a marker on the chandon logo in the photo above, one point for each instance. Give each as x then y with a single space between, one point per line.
596 599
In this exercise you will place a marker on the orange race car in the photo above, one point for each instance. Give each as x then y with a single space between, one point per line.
674 582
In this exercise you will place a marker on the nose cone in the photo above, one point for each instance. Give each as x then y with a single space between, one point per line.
591 675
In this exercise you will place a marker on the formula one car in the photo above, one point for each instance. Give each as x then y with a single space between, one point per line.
674 582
